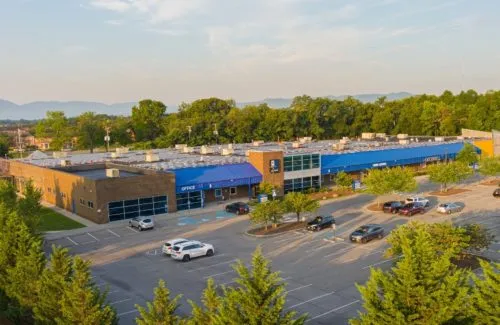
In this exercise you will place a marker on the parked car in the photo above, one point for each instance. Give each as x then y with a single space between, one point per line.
449 208
142 223
366 233
418 199
191 249
238 208
321 222
496 193
410 209
393 206
167 247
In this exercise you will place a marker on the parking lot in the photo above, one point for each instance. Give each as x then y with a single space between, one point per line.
320 272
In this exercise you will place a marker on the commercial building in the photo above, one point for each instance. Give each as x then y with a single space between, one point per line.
105 187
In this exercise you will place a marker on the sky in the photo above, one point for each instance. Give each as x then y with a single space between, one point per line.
181 50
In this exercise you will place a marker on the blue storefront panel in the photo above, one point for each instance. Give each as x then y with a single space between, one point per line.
212 177
358 161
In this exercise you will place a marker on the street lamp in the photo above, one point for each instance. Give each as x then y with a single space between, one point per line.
216 133
189 132
107 138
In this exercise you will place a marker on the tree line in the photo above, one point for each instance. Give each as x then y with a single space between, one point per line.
213 120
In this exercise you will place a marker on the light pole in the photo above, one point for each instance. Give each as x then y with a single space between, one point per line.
189 133
216 133
107 138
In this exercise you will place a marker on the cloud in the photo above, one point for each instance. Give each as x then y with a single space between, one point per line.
113 22
113 5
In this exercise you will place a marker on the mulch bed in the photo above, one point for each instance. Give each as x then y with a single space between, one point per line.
468 261
375 207
283 227
451 191
330 194
491 182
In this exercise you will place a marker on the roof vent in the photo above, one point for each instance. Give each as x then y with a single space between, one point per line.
152 157
59 154
439 139
296 145
227 151
257 143
115 155
402 136
367 135
180 146
121 150
187 149
339 146
112 172
206 150
65 162
404 141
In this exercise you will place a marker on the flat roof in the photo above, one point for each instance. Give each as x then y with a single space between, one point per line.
96 174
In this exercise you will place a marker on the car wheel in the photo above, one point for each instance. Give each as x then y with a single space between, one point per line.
422 211
186 258
380 236
210 252
363 240
140 228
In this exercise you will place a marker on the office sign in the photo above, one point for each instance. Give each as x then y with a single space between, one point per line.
274 166
379 164
431 159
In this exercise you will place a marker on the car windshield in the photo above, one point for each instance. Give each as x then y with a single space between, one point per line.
443 205
363 229
146 220
176 248
168 244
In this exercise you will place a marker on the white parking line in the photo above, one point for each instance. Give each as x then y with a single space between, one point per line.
368 266
343 250
128 312
217 274
287 278
331 311
114 233
92 236
226 283
298 288
114 291
119 301
132 229
102 284
209 266
71 240
312 299
287 239
323 246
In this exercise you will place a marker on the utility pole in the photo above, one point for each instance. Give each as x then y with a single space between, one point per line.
216 133
107 138
189 132
19 143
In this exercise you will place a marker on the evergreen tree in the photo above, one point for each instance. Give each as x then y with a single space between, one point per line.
423 288
53 283
206 315
485 298
259 299
8 196
29 206
82 303
162 310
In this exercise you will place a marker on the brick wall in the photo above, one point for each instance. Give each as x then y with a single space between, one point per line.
261 161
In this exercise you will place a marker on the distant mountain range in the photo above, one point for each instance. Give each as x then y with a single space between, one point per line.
37 110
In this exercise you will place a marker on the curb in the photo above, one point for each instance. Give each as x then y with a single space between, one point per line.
268 236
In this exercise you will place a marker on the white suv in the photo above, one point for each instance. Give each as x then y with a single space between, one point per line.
167 247
415 199
191 249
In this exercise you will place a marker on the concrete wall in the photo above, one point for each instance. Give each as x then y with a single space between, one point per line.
476 134
486 147
496 142
261 161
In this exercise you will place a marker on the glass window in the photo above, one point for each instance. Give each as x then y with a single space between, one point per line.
288 164
306 162
315 182
160 198
146 206
90 204
115 210
146 200
131 208
115 204
131 202
297 163
116 217
315 160
218 192
297 183
306 182
131 215
232 190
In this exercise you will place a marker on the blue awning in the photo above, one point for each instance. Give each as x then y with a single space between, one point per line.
211 177
358 161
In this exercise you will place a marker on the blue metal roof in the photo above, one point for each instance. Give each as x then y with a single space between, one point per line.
358 161
211 177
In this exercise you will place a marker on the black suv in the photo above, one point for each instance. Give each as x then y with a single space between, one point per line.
238 208
496 193
393 206
366 233
320 222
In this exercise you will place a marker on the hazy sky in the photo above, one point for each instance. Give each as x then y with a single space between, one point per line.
180 50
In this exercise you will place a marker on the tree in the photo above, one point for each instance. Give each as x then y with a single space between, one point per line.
467 154
490 166
266 188
8 196
385 181
448 173
211 303
259 299
4 145
479 236
343 180
29 206
161 310
53 282
82 302
485 305
56 127
147 118
298 203
90 130
267 212
424 287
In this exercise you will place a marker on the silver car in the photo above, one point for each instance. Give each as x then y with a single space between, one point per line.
449 208
142 223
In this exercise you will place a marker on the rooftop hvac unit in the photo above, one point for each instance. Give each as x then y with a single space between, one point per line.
180 146
344 141
59 154
439 139
460 137
380 135
305 139
65 162
187 149
152 157
112 172
115 155
247 153
296 145
404 141
257 143
367 136
230 146
227 151
339 146
206 150
121 150
402 136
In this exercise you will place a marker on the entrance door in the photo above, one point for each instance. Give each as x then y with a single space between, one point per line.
189 200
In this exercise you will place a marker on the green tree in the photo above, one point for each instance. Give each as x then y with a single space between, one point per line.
389 180
207 314
490 166
479 236
266 188
147 119
82 302
259 299
266 213
298 203
56 127
29 206
53 282
343 180
161 310
90 130
467 154
4 145
424 287
448 173
8 196
485 304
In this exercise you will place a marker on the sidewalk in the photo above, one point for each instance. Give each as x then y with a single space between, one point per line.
69 215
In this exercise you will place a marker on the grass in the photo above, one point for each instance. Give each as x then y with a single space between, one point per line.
52 221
